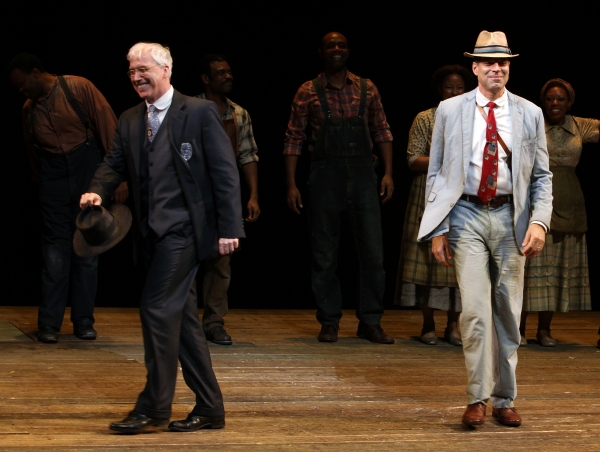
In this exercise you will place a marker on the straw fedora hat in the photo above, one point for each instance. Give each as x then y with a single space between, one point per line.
99 229
491 45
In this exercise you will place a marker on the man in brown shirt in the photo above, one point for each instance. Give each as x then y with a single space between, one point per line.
217 80
64 147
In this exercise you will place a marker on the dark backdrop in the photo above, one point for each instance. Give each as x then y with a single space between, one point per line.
273 51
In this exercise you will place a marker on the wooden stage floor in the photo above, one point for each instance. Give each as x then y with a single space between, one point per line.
284 391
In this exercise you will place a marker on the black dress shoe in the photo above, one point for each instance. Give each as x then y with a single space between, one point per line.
86 332
373 333
48 334
136 423
218 335
193 423
328 333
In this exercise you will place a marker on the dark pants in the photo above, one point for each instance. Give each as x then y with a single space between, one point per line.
171 327
65 276
217 276
339 185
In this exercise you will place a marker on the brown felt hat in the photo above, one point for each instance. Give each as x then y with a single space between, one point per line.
491 45
99 229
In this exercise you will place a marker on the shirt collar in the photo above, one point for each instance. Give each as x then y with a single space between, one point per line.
483 101
568 126
325 83
227 99
164 101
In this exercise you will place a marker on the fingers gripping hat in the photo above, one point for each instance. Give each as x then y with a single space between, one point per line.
491 45
99 229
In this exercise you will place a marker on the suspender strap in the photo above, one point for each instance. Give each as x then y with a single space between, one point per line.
76 107
321 95
30 122
363 97
325 105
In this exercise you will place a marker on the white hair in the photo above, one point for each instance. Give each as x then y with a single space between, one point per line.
159 53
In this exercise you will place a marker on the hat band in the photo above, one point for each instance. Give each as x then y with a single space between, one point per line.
483 50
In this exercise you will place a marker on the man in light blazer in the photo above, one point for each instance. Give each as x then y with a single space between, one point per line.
488 208
185 184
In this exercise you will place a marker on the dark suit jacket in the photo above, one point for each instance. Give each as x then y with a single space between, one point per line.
209 179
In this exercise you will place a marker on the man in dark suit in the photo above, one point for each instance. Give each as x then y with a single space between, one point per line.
174 151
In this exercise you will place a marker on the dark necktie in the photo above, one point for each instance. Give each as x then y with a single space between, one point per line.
489 168
153 122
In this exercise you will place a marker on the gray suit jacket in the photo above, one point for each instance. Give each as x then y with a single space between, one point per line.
209 179
450 154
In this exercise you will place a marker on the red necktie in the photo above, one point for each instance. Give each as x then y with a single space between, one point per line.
489 168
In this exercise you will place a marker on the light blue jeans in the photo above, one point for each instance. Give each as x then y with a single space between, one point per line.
489 269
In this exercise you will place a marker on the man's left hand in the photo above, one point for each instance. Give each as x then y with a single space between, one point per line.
228 246
121 193
387 188
253 210
534 240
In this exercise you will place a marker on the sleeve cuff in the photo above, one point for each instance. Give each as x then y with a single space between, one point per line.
541 224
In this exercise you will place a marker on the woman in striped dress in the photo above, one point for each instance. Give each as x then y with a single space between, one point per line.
557 279
421 280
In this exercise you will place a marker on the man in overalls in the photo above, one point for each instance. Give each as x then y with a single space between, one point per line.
346 116
68 126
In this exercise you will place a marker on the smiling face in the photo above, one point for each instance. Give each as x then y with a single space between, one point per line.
492 75
556 103
452 85
334 51
150 79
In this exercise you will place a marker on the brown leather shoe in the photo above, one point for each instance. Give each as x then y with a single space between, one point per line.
329 333
507 416
373 333
474 414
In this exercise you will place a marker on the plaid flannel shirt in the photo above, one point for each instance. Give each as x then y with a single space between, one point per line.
343 102
247 152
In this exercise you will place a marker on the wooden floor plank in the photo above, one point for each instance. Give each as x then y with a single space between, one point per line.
284 390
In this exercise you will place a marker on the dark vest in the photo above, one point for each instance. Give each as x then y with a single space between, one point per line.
163 204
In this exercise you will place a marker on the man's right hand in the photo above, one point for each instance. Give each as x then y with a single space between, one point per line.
294 200
90 199
441 249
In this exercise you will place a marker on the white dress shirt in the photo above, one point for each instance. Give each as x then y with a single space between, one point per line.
162 105
504 128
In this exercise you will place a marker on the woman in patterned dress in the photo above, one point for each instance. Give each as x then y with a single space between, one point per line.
557 279
421 280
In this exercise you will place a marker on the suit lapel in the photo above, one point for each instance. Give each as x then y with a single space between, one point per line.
516 118
137 135
177 120
467 119
176 127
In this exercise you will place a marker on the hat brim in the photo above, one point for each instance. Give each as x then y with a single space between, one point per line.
489 55
122 215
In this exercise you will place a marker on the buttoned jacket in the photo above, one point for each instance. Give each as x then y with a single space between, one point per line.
209 178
